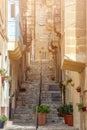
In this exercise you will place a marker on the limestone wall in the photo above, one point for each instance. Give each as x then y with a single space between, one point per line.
74 30
74 44
72 96
84 80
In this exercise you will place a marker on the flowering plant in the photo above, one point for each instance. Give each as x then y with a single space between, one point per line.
81 107
4 75
78 89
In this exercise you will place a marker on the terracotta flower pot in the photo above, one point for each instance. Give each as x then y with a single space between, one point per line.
65 118
42 118
83 109
78 89
2 79
70 120
2 124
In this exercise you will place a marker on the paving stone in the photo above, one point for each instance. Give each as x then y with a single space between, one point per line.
52 126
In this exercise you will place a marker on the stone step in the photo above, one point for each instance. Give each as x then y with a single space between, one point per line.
20 127
58 126
62 128
20 111
23 121
24 116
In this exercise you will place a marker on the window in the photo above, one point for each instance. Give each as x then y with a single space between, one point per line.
12 10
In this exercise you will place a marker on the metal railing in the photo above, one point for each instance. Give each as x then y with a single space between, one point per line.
36 117
39 101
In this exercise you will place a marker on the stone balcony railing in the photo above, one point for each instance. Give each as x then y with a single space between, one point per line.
14 50
72 58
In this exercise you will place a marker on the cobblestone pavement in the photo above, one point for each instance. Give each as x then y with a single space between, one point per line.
52 126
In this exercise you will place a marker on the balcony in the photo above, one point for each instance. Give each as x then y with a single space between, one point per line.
49 3
73 51
14 50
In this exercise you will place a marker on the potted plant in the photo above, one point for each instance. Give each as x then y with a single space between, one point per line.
81 107
42 114
65 113
2 121
84 108
4 75
69 81
60 110
68 114
78 89
2 79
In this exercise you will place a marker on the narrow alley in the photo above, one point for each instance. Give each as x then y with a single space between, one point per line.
43 47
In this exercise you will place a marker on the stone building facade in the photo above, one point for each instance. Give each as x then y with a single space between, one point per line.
56 27
14 51
4 63
73 55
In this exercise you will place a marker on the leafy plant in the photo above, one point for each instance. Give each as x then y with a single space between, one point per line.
60 110
4 74
80 106
3 118
42 109
69 81
68 109
61 84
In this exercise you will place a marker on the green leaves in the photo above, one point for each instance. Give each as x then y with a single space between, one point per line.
66 82
80 106
43 109
68 109
3 118
4 73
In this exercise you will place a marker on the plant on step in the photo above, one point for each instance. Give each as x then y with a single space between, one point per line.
2 120
42 108
42 111
68 114
60 110
68 109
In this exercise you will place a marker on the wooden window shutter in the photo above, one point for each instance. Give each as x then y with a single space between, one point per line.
12 10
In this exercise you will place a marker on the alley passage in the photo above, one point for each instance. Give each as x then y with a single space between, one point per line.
40 75
50 95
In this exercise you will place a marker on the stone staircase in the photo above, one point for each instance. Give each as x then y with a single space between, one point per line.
50 95
25 104
42 67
